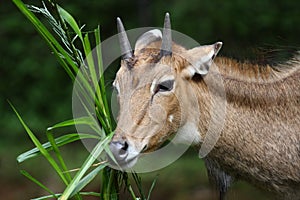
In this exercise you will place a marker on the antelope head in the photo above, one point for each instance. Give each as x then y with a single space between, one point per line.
154 86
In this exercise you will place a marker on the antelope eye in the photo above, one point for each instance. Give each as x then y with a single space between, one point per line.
165 86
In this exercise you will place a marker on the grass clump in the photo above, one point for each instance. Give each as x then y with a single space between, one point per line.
73 49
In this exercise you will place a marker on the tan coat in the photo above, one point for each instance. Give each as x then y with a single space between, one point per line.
260 139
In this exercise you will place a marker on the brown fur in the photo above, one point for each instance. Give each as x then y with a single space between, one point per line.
261 138
260 141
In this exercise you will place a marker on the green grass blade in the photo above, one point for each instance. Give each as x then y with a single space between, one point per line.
58 155
60 158
59 51
98 149
43 151
60 141
91 65
86 94
87 179
102 110
47 197
92 71
138 180
94 194
91 93
152 187
72 122
70 20
94 121
88 121
131 192
101 75
26 174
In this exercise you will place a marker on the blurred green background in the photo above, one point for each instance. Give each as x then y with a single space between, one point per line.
258 30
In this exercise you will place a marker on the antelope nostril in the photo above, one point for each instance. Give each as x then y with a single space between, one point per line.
123 150
119 149
125 147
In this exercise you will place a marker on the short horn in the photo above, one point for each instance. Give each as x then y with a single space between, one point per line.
166 45
126 49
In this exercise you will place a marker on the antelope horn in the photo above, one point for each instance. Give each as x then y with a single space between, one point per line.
124 42
166 45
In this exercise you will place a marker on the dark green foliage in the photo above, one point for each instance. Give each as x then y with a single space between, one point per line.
31 78
27 66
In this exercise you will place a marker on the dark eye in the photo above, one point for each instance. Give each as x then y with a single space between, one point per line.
165 86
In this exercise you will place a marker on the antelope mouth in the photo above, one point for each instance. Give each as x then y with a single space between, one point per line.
123 156
122 164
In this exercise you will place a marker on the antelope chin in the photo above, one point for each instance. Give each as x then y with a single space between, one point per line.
130 163
124 164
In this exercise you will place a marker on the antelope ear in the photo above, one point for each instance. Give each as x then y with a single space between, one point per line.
200 59
144 40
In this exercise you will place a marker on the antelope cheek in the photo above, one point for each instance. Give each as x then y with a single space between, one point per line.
158 114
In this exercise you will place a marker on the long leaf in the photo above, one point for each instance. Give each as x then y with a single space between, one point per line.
87 179
87 85
152 187
60 158
98 149
92 69
60 141
72 122
95 194
70 20
51 41
101 75
43 151
25 173
58 154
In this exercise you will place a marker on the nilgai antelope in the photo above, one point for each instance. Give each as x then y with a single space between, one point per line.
260 139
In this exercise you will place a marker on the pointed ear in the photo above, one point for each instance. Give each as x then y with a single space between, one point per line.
144 40
200 59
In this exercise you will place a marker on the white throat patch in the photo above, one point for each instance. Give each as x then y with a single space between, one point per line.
188 134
